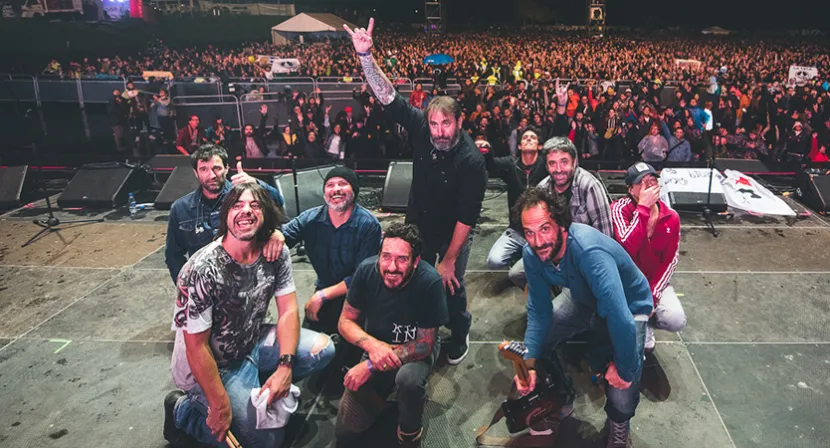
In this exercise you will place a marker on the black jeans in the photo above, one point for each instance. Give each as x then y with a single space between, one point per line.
460 319
359 410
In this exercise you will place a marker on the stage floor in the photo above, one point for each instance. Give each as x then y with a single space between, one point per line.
85 343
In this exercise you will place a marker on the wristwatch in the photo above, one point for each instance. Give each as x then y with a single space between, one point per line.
287 360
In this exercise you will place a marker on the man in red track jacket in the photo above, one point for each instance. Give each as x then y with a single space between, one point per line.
649 230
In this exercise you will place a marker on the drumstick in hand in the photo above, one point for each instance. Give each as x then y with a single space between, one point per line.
231 441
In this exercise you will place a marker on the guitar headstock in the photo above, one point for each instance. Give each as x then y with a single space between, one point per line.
513 350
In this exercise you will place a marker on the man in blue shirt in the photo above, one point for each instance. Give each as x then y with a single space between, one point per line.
338 236
194 218
608 296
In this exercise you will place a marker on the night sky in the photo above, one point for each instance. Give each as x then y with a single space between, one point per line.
737 14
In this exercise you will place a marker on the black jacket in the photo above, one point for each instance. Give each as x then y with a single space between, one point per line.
447 186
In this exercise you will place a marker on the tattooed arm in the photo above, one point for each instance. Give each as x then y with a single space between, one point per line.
380 84
381 354
418 349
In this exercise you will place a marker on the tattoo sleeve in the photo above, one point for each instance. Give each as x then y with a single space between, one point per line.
380 84
418 349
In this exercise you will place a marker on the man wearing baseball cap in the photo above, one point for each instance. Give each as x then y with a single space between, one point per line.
338 236
649 230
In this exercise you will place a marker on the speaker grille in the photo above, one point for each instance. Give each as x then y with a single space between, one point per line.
11 185
310 185
96 188
180 183
397 186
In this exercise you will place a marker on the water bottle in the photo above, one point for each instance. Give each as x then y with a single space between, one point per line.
133 207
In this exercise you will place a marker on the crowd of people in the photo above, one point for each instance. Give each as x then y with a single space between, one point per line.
737 103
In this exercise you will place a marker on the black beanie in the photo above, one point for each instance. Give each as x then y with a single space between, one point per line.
345 173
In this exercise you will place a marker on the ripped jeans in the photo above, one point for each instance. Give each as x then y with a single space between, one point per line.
239 378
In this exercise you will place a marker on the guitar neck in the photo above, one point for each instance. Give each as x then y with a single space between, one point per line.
521 370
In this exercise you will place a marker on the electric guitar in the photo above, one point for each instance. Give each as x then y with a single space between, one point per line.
526 410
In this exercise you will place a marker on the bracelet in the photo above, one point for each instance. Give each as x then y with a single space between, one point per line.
369 364
368 53
323 295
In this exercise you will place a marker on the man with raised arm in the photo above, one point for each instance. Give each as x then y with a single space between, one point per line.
448 181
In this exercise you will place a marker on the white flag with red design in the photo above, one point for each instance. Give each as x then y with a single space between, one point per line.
745 193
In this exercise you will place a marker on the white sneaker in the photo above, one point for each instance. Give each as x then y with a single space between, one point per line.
650 342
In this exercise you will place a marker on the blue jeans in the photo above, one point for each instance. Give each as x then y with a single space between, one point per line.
507 250
239 378
459 319
571 318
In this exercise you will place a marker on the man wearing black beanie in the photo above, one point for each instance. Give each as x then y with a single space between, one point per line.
337 237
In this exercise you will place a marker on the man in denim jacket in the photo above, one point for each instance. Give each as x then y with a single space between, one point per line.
194 218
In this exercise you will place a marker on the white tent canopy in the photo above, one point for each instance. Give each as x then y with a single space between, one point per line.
319 24
716 30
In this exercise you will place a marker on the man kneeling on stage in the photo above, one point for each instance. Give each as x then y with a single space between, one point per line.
649 230
402 303
609 297
223 345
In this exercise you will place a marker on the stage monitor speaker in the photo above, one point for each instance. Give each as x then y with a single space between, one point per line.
180 183
813 189
310 186
745 166
11 185
695 202
396 187
105 187
169 161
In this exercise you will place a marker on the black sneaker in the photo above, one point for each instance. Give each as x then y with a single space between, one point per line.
619 435
457 352
172 433
412 440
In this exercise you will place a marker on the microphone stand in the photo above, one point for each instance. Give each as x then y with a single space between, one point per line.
51 223
707 209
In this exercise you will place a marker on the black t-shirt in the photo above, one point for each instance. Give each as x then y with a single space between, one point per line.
568 193
393 316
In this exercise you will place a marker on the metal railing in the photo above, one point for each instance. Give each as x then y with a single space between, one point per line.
211 99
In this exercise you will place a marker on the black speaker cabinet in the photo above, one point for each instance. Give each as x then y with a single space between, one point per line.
813 189
11 185
745 166
310 189
95 187
181 182
397 186
696 202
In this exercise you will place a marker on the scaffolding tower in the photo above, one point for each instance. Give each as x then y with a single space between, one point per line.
434 10
595 19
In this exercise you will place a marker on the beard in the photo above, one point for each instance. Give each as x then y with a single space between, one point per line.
343 204
247 233
396 281
555 248
562 179
214 186
445 144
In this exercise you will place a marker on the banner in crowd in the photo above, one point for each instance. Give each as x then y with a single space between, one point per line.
745 193
691 64
147 74
278 66
687 180
800 75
